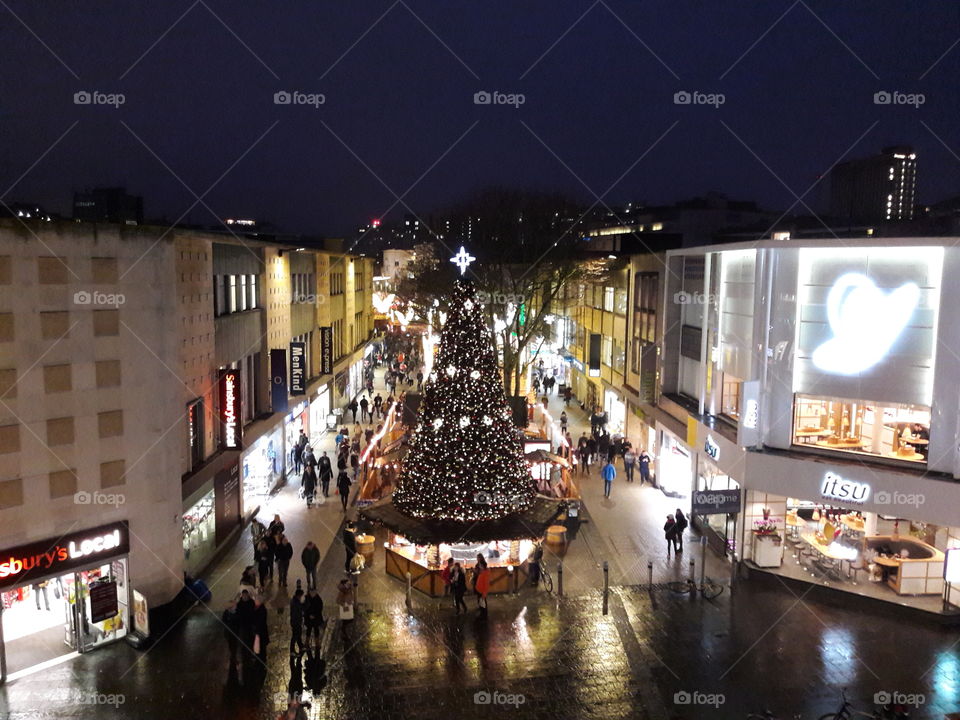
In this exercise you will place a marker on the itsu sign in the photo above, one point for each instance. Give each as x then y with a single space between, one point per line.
29 563
835 487
230 418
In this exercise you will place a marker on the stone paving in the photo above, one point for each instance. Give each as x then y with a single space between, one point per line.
654 655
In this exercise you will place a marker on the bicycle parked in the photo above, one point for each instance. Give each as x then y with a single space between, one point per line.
708 589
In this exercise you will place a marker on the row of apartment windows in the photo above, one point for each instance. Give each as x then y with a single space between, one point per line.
303 289
59 378
336 283
235 293
53 270
61 431
337 331
63 483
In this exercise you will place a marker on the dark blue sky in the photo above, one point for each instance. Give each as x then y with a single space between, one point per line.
399 100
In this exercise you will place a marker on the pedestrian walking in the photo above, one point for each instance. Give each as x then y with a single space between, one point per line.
352 407
283 555
670 533
378 404
264 560
296 623
297 457
309 459
245 624
231 631
343 487
585 460
349 544
261 629
365 409
276 526
458 583
257 531
681 526
354 465
325 473
310 557
567 395
592 448
313 615
309 485
563 422
629 464
643 460
445 575
481 583
419 380
608 473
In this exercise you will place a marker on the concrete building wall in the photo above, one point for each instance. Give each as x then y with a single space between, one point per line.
91 409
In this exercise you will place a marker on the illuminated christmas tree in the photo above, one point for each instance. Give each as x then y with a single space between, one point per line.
466 459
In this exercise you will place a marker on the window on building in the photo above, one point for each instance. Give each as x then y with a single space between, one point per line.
645 291
231 293
608 293
242 296
195 432
730 397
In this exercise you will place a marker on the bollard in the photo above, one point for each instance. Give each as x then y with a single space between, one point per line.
650 574
692 570
409 588
606 587
560 579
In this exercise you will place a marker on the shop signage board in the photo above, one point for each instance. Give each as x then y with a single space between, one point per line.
141 614
577 364
226 501
103 600
716 502
231 436
278 380
711 448
835 487
326 350
55 556
298 368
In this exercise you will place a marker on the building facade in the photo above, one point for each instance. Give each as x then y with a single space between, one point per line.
818 380
141 420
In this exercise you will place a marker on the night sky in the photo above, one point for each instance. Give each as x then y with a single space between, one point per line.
399 80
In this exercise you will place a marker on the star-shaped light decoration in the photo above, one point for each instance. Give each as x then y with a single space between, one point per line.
462 259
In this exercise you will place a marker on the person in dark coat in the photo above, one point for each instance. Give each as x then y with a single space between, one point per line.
264 560
309 483
365 409
276 526
681 526
313 614
231 631
670 533
325 472
296 622
283 554
343 487
378 404
310 557
244 618
261 627
352 407
458 585
643 462
349 544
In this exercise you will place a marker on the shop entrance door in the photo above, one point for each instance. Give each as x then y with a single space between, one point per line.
52 618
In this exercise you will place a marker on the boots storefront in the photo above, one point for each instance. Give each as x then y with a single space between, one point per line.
62 596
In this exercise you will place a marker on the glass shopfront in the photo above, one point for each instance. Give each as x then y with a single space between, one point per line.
674 467
63 595
882 430
319 411
719 529
298 419
262 469
616 411
842 545
199 539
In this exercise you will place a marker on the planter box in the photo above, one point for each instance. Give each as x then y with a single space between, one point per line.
767 551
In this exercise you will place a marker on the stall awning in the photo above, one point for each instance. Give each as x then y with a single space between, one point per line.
531 524
540 456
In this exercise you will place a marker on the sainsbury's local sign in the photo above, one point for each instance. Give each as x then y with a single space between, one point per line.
55 556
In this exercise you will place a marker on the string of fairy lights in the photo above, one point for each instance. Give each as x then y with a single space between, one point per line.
466 460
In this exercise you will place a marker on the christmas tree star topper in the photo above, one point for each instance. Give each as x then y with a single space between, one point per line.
462 259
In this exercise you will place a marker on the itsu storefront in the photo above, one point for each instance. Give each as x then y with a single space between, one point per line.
61 596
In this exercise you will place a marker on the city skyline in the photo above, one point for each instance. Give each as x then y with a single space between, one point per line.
387 114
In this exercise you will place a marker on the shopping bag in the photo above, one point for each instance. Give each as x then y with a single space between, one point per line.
346 612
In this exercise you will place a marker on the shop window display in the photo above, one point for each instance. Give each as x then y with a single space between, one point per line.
891 431
198 531
883 556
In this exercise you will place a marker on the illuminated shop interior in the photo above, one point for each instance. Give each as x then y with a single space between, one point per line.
863 427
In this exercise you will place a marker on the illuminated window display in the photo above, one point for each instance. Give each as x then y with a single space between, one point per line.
887 557
199 541
720 528
892 431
